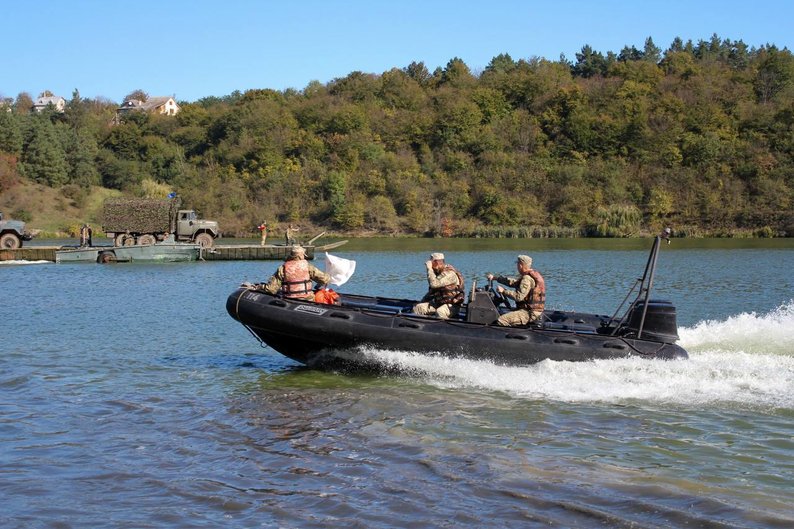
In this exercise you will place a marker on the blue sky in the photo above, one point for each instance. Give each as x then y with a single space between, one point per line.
197 48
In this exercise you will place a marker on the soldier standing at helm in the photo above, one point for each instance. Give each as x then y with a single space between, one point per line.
263 229
294 278
529 294
446 291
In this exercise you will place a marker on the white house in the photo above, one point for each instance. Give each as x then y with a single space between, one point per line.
56 101
155 105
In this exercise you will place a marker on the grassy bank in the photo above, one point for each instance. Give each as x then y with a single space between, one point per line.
59 213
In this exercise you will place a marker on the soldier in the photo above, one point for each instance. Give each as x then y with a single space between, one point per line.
263 228
446 292
529 294
290 234
86 235
294 278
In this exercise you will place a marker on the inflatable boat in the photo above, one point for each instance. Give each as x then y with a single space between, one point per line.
340 334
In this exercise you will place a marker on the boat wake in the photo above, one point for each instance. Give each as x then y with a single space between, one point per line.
22 262
744 361
750 333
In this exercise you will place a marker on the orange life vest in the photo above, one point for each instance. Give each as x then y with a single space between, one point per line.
449 294
326 296
536 299
297 283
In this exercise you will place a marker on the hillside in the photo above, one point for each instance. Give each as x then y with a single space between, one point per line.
51 210
699 136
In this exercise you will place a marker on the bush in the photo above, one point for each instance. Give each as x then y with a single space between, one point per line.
615 221
21 214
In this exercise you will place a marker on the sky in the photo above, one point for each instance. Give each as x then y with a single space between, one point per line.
192 49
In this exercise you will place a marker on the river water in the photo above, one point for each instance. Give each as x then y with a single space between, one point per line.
129 398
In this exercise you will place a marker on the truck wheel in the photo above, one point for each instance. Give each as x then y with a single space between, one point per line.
126 240
10 241
147 240
106 257
205 240
121 239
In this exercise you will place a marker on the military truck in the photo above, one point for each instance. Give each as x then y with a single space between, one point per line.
12 233
144 221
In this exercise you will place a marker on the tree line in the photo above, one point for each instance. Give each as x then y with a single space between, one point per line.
699 136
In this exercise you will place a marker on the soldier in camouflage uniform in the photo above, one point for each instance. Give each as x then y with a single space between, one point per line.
294 278
289 235
86 235
446 293
529 294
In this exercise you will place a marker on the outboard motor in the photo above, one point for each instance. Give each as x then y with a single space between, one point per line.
659 325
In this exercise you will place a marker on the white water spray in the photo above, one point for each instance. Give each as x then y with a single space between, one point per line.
745 360
750 333
22 262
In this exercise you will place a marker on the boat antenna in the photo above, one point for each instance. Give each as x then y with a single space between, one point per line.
645 283
650 271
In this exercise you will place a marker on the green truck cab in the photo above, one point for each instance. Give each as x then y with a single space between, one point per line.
12 233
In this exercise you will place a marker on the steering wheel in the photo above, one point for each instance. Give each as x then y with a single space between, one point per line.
498 299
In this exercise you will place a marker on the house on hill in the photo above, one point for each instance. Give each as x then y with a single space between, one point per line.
154 105
56 101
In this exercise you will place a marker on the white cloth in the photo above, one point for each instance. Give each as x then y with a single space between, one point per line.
339 269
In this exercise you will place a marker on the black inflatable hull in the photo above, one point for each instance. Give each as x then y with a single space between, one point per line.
328 335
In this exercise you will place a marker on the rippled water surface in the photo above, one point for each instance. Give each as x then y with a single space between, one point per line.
129 398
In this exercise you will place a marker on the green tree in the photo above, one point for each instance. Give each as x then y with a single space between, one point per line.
590 63
381 215
651 52
76 111
418 72
457 74
458 121
775 74
125 141
356 86
120 174
492 103
336 192
400 91
44 159
10 133
81 157
501 64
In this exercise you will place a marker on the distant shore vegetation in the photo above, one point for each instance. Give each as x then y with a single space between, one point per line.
699 137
